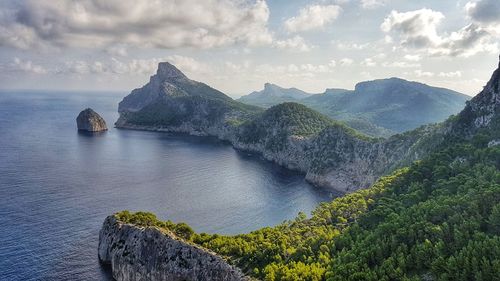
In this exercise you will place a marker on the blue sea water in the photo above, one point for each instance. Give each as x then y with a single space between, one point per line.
58 185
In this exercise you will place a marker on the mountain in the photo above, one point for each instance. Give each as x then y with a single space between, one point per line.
172 102
292 135
394 104
272 95
435 219
378 108
168 82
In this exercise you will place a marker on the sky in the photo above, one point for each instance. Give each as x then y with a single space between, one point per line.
238 45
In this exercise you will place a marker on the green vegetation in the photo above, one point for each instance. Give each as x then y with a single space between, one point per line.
284 120
149 219
298 119
377 108
175 111
439 219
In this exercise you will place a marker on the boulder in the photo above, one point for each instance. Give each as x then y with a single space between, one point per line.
88 120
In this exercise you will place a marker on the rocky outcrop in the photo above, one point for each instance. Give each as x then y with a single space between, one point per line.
168 83
150 253
88 120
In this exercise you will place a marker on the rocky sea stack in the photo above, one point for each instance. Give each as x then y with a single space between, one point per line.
88 120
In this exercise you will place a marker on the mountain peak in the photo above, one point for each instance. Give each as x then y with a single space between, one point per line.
167 70
485 106
268 86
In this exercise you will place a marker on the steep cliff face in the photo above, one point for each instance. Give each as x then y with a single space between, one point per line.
88 120
151 253
482 111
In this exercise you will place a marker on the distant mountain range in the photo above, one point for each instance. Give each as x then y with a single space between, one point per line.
273 94
377 108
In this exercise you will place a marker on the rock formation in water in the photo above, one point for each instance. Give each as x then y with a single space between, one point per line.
151 253
88 120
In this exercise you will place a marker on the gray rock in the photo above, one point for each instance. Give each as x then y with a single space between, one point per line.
88 120
149 253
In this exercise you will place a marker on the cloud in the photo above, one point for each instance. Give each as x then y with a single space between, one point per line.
371 4
296 43
453 74
293 70
117 50
413 57
346 62
27 66
153 24
312 17
132 66
418 29
420 73
400 64
345 46
484 11
369 62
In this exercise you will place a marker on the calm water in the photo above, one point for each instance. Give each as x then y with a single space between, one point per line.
57 186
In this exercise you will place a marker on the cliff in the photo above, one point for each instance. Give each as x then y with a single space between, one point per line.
292 135
152 253
88 120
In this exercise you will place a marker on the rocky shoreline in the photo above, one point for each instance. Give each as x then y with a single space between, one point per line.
152 253
295 157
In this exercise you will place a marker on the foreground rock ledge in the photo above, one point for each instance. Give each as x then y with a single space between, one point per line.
150 253
88 120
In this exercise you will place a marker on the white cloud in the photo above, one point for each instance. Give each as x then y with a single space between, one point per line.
155 24
312 17
400 64
347 46
418 29
371 4
19 65
132 66
368 62
187 64
420 73
346 62
413 57
117 50
453 74
296 43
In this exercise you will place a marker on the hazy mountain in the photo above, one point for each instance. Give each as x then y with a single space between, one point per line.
395 104
273 94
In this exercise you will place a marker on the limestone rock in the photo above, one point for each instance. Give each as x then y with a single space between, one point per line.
88 120
150 253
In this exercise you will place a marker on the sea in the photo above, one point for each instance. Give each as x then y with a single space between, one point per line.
57 185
